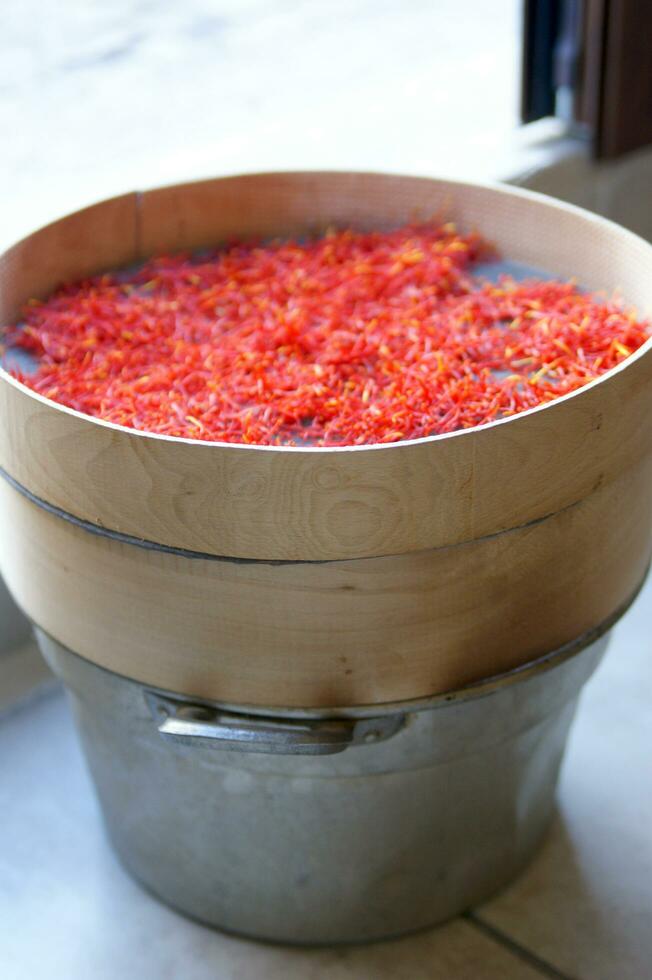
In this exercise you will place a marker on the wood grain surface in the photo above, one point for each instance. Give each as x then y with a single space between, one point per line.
335 633
328 504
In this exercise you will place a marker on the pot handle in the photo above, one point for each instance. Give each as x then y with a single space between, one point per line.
190 723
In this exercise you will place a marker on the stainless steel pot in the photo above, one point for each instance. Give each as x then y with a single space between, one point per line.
293 827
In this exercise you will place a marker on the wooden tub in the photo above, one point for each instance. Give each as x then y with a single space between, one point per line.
320 577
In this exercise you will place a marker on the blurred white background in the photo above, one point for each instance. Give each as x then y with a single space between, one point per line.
100 97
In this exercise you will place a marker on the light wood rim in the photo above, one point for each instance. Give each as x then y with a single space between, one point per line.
327 504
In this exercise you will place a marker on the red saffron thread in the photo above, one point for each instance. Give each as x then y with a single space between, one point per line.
350 339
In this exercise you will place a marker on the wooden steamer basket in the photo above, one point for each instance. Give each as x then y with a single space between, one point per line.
322 577
313 582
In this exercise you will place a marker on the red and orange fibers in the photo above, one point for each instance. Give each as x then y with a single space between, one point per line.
349 339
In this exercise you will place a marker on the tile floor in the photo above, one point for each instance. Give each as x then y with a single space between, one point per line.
583 910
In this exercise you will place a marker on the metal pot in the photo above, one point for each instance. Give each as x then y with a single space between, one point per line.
295 827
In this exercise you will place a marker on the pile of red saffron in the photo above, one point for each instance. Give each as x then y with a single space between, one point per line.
348 339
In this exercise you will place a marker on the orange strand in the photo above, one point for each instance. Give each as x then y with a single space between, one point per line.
347 339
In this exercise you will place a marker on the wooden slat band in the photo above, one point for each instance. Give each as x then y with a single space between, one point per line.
470 691
204 556
353 632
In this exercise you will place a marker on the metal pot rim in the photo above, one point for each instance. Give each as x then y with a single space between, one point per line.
477 689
